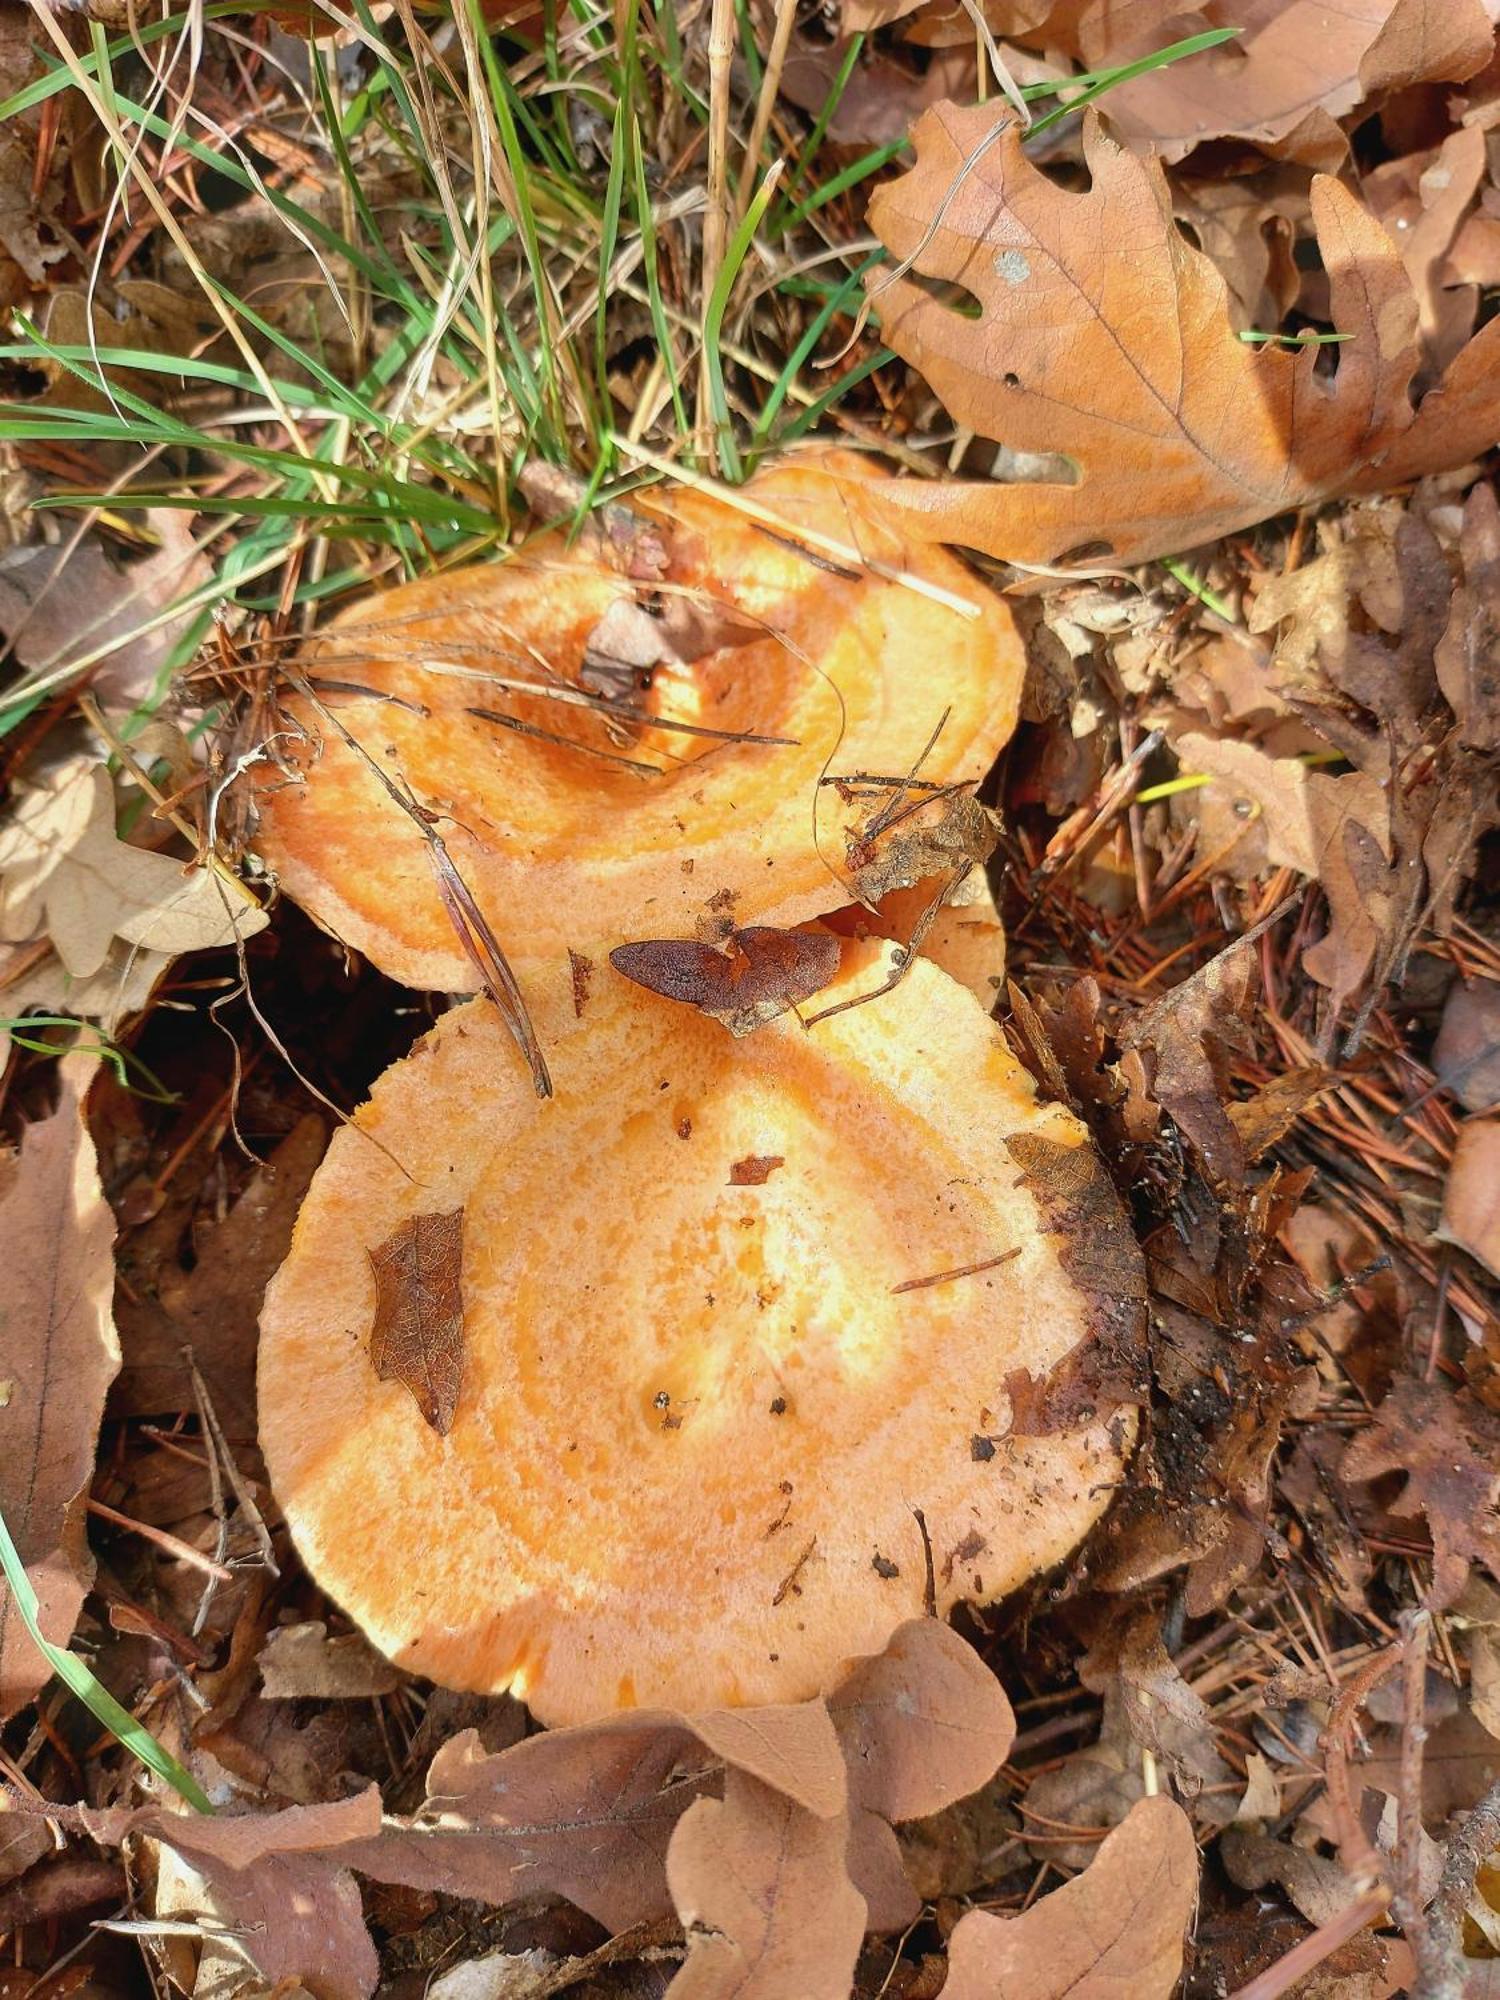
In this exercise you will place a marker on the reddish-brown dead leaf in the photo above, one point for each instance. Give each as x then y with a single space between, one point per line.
1449 1449
922 1725
587 1813
582 1813
762 1890
1115 1930
58 1356
277 1881
1104 336
790 1746
760 973
418 1335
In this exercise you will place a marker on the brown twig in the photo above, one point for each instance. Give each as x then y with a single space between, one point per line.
1440 1958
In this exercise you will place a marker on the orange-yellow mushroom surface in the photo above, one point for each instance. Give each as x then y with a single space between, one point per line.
566 846
698 1417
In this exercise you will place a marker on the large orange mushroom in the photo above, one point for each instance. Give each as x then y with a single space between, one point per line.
700 1380
615 744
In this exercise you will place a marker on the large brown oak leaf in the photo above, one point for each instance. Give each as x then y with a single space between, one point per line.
1104 336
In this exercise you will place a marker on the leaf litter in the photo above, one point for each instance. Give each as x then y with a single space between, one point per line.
1244 850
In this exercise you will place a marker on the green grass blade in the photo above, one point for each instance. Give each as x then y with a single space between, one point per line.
713 324
72 1672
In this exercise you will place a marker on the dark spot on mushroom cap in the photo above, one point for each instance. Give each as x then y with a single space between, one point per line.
981 1448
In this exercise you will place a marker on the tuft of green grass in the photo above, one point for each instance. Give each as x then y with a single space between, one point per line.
527 291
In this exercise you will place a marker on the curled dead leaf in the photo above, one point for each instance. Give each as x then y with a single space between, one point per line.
760 973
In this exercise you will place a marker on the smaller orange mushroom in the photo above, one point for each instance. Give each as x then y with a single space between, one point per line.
698 1382
678 739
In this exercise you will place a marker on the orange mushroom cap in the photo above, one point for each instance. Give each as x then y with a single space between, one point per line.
729 1398
565 846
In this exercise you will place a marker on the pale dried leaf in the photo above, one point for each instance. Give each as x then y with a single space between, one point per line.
301 1663
1314 1883
1471 1193
286 1909
1114 1932
1106 337
65 602
58 1339
762 1890
61 865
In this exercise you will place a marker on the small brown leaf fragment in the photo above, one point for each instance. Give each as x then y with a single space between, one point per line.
755 1169
1116 1929
760 972
418 1335
1191 1030
60 1352
582 970
764 1895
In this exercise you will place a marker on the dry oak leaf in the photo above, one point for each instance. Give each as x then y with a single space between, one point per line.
587 1813
1449 1448
1105 337
61 865
762 1890
418 1336
923 1724
1294 68
277 1892
1113 1933
58 1355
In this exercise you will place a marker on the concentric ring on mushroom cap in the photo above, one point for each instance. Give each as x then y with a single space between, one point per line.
566 848
696 1418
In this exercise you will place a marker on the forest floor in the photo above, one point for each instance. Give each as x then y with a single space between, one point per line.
1204 383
